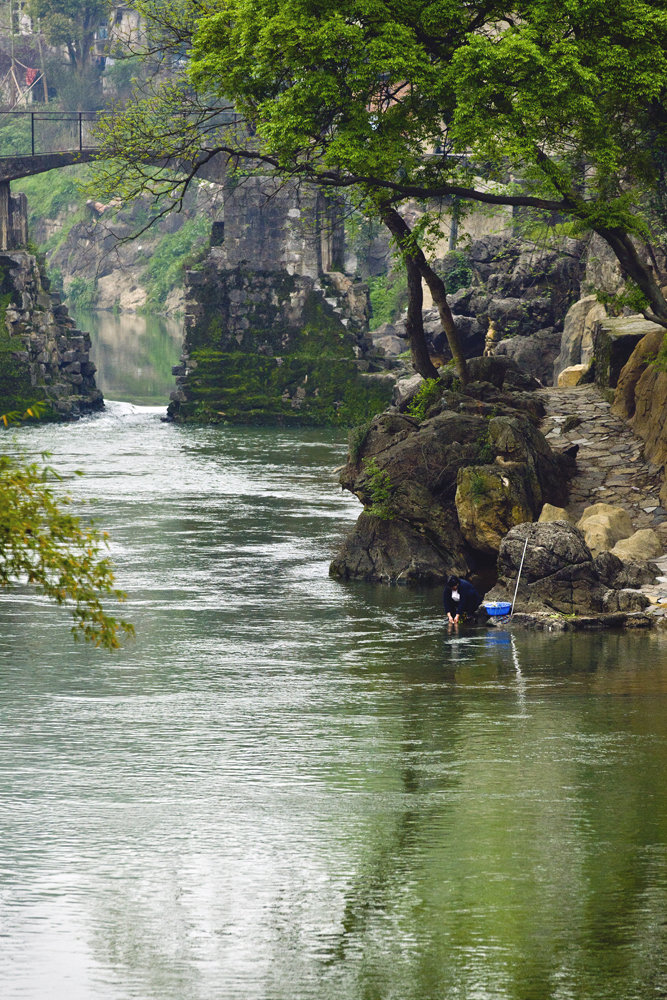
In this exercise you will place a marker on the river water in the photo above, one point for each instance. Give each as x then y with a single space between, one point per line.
288 788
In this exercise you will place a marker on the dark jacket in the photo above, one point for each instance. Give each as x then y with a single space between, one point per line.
469 600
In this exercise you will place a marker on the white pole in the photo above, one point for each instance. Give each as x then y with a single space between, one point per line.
519 576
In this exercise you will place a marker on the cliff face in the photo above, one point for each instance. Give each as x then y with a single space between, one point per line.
43 357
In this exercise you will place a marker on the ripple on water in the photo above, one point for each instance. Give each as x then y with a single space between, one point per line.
290 788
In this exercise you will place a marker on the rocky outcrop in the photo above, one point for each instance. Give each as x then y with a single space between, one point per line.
43 357
523 293
452 483
560 573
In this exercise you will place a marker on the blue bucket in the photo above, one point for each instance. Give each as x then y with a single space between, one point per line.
497 609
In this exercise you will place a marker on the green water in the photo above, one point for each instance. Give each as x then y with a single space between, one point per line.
134 354
293 789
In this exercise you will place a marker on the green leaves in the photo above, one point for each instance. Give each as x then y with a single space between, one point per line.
43 544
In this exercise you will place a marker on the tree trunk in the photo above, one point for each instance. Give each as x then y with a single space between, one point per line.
401 232
634 268
414 329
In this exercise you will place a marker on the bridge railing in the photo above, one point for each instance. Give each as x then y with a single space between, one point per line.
34 133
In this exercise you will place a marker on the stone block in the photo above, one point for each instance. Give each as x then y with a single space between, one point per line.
550 513
614 341
640 547
572 375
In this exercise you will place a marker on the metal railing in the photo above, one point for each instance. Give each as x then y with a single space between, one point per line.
36 133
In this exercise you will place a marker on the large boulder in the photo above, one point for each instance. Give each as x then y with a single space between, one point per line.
603 525
640 547
491 499
534 353
572 375
548 547
440 493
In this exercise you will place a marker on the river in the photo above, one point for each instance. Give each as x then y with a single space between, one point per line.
288 788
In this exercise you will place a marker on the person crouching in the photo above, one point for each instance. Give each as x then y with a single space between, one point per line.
460 599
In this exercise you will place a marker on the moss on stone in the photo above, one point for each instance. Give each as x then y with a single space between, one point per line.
303 390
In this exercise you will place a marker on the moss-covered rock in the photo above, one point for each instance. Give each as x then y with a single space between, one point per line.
270 347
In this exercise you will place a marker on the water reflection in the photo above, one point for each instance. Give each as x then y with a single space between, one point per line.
299 790
134 354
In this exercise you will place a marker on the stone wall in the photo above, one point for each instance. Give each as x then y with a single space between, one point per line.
266 346
43 357
275 332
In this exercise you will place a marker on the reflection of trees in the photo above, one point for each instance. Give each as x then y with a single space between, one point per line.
527 862
134 354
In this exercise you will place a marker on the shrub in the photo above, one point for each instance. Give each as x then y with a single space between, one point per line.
381 490
428 393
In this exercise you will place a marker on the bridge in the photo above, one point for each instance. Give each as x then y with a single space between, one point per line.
32 142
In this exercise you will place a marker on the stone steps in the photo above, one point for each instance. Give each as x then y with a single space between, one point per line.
610 462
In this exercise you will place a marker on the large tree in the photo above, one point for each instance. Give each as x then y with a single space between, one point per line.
73 26
557 105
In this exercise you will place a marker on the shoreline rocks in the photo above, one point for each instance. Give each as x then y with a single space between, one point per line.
455 481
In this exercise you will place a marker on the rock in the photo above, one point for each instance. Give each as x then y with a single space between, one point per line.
625 600
392 552
603 525
640 547
641 396
576 344
405 389
550 513
615 340
572 375
534 354
551 547
636 574
489 501
609 567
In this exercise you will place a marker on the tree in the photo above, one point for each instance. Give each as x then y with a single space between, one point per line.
44 545
558 105
74 26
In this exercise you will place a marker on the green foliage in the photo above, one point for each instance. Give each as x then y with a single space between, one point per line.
82 293
660 360
53 193
568 97
43 544
458 272
630 297
388 295
428 393
477 485
174 252
381 491
356 440
485 450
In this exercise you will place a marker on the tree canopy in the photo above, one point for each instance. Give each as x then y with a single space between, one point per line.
557 107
